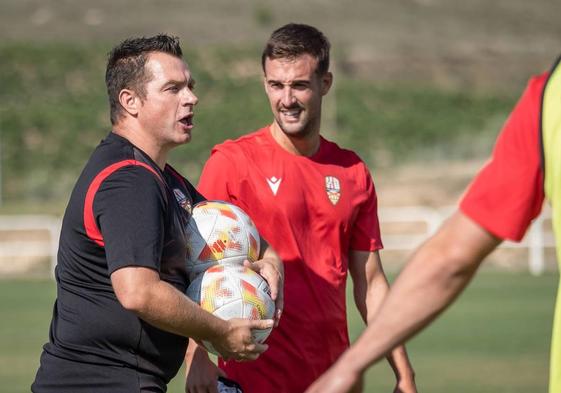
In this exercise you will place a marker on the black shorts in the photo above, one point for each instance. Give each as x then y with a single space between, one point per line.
58 375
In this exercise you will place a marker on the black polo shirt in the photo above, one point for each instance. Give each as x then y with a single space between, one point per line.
123 211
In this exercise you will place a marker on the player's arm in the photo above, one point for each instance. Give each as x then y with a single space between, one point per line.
201 374
271 267
434 277
370 287
141 291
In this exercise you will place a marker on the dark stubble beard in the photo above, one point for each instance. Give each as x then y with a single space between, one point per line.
303 133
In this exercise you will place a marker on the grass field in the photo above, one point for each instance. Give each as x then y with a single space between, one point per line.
495 339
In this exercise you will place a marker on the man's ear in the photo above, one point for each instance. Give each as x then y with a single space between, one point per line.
326 82
130 101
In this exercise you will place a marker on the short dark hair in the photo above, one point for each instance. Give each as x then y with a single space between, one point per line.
126 67
293 40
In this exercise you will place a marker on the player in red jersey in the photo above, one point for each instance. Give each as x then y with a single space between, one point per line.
501 203
316 204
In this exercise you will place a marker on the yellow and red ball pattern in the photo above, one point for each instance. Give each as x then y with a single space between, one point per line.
233 291
220 233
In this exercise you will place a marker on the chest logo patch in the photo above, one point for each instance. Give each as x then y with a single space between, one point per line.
182 199
333 189
274 184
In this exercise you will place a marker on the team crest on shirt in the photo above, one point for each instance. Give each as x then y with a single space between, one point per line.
333 189
183 201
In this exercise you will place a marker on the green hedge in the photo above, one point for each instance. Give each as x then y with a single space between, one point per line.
53 111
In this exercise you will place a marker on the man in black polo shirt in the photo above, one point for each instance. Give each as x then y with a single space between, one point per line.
121 318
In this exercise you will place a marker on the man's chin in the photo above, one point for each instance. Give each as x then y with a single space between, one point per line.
186 138
293 130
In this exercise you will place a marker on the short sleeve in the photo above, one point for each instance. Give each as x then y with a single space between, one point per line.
366 229
214 180
508 193
130 209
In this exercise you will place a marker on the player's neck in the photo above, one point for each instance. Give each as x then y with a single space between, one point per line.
300 145
156 152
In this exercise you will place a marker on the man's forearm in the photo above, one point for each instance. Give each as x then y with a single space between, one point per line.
141 291
400 364
170 310
398 359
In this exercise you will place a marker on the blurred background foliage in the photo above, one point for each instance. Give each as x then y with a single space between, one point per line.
55 111
416 81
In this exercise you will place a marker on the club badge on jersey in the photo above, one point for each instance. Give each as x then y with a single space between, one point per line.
333 189
183 201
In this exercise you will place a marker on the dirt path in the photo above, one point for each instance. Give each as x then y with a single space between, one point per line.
431 185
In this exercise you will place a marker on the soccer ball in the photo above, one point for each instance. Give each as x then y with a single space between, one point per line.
219 233
233 291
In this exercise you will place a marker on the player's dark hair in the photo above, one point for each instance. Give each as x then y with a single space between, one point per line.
126 67
293 40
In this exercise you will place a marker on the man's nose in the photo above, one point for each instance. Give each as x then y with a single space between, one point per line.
287 97
189 98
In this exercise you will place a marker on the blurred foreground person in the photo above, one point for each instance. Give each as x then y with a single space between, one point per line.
316 205
121 319
501 203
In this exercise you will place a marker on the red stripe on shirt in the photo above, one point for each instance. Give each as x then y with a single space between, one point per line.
90 224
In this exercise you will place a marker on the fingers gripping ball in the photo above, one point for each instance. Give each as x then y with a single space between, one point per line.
219 233
233 291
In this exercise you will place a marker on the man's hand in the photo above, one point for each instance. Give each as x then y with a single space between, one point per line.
201 373
237 341
406 385
270 267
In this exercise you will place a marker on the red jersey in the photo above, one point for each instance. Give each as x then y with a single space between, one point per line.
312 211
508 192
